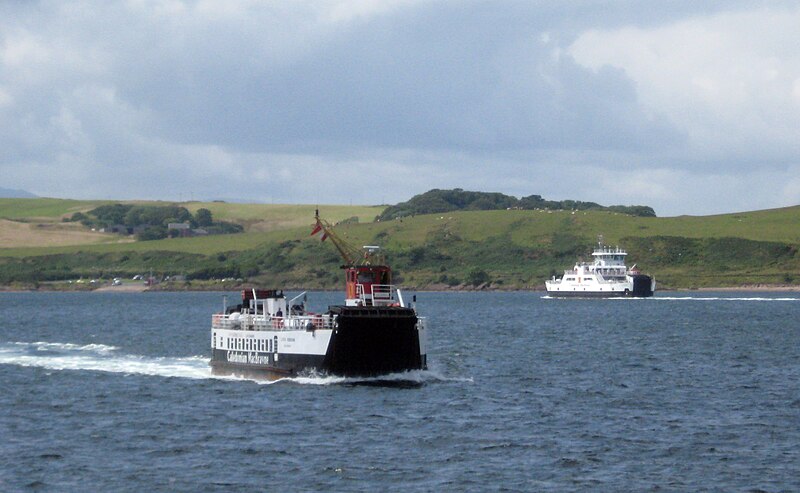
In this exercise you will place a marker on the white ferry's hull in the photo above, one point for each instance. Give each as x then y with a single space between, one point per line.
364 342
638 286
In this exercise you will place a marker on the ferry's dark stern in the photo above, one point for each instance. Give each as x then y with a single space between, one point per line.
370 341
642 286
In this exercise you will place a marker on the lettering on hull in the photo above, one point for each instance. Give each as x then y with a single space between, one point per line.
247 358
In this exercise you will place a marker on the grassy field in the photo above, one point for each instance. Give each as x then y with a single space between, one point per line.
511 249
44 209
268 217
35 227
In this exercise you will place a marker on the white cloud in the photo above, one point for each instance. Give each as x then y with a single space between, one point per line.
728 80
5 98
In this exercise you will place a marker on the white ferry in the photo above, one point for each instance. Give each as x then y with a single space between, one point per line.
606 277
375 332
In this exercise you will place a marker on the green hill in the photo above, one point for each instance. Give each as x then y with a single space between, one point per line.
438 201
505 248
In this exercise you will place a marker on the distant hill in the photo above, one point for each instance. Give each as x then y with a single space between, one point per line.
508 249
436 201
459 249
8 193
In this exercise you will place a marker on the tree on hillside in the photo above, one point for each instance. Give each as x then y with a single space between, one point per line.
203 217
437 201
157 216
111 214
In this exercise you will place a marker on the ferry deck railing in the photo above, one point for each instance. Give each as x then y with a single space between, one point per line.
378 295
310 321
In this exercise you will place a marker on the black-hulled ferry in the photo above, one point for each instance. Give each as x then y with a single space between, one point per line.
375 332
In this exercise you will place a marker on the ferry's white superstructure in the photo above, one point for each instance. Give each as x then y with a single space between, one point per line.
606 276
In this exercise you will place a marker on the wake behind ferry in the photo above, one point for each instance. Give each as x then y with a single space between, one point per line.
375 332
606 277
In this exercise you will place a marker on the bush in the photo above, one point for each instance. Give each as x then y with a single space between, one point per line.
152 233
477 277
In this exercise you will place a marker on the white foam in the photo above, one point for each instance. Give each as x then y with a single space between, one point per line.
719 298
55 346
412 377
678 298
99 357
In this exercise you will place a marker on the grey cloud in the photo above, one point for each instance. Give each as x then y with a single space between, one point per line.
144 102
448 78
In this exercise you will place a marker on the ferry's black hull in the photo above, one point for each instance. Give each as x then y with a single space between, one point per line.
370 341
286 366
366 342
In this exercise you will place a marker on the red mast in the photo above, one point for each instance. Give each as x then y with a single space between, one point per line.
368 280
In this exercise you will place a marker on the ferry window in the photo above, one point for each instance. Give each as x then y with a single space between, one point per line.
366 276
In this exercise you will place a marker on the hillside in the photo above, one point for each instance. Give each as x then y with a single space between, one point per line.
506 249
33 223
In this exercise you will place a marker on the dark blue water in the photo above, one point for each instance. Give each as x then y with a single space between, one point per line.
686 392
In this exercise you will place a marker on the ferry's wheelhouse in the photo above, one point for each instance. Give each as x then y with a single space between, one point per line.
371 285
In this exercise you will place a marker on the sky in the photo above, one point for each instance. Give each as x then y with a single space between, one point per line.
688 107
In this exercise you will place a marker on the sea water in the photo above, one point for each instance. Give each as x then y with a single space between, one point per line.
680 392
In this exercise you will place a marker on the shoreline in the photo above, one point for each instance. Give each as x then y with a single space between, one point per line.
763 288
141 288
